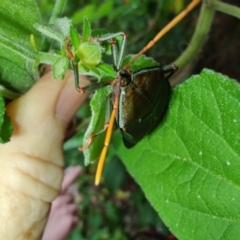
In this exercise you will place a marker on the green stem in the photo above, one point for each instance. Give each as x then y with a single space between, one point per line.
199 36
228 9
57 10
8 94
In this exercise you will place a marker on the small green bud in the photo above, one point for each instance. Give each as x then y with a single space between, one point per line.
89 53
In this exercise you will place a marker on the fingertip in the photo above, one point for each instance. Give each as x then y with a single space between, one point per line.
71 173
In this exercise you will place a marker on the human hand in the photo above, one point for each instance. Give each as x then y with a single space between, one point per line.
63 214
31 163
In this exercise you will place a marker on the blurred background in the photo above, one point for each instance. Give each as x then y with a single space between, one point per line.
118 209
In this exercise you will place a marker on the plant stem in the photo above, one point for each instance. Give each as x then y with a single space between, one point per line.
8 94
57 10
228 9
199 36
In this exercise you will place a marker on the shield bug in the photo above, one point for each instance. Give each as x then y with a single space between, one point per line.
140 95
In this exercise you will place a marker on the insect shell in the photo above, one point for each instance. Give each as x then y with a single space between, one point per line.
144 96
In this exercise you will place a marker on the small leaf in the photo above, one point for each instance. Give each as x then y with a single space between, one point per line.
189 167
60 67
62 26
89 53
57 31
99 105
86 29
47 58
74 38
102 71
6 130
50 32
106 70
6 127
140 62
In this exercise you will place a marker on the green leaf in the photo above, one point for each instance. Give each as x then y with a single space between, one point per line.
60 67
99 105
86 29
189 167
17 74
49 31
141 62
107 71
6 129
47 58
74 37
62 25
102 71
15 24
17 69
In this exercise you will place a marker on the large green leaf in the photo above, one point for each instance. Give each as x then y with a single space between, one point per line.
189 168
17 70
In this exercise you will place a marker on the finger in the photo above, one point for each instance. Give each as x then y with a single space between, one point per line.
71 209
62 201
71 173
49 98
70 99
74 221
39 117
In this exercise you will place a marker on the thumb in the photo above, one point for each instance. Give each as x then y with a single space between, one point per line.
40 116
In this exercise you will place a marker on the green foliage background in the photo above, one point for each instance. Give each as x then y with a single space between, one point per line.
189 168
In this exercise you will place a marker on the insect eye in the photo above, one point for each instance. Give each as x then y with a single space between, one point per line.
124 82
125 79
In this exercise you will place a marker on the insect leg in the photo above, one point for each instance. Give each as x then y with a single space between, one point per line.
170 70
89 88
91 138
94 86
74 64
118 54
